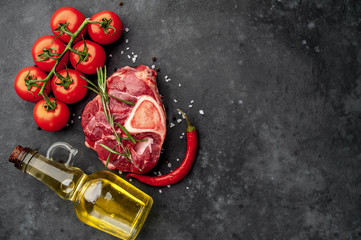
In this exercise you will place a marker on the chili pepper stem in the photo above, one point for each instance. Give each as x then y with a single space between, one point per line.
190 128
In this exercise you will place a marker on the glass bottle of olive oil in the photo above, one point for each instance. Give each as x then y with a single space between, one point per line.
102 199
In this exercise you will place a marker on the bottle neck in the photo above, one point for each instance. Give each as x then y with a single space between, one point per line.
62 179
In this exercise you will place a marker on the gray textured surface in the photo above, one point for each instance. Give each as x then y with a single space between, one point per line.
279 82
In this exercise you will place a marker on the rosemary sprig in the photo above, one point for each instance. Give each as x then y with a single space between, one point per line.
101 89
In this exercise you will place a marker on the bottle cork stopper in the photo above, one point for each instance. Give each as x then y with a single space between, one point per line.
15 155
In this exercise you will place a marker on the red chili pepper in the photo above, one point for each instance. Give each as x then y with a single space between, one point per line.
182 170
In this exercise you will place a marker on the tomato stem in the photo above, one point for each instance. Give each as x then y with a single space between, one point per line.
64 81
49 105
52 72
83 55
30 81
63 28
47 53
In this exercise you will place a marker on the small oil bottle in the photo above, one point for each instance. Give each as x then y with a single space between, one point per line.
102 199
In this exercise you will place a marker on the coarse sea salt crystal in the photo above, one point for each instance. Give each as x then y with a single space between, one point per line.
126 41
127 48
177 159
179 85
311 25
175 100
129 57
130 179
171 125
134 58
190 105
160 190
201 112
169 165
126 29
181 137
122 52
110 55
153 66
179 120
168 186
167 79
192 101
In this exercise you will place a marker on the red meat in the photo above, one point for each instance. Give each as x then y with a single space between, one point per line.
145 120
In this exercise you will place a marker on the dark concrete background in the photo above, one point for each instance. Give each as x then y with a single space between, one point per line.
279 82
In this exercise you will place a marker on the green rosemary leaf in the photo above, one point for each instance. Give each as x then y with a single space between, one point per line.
121 100
111 150
126 133
94 90
108 158
143 140
127 151
106 112
137 140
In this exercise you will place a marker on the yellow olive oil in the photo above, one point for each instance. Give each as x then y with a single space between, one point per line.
102 199
111 204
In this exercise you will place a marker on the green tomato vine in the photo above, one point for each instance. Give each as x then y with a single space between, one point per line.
83 56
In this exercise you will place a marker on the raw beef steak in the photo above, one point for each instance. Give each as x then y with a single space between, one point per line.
145 120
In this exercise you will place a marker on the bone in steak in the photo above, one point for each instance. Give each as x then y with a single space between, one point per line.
145 120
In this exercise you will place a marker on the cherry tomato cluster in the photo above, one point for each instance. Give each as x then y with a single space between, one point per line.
52 54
